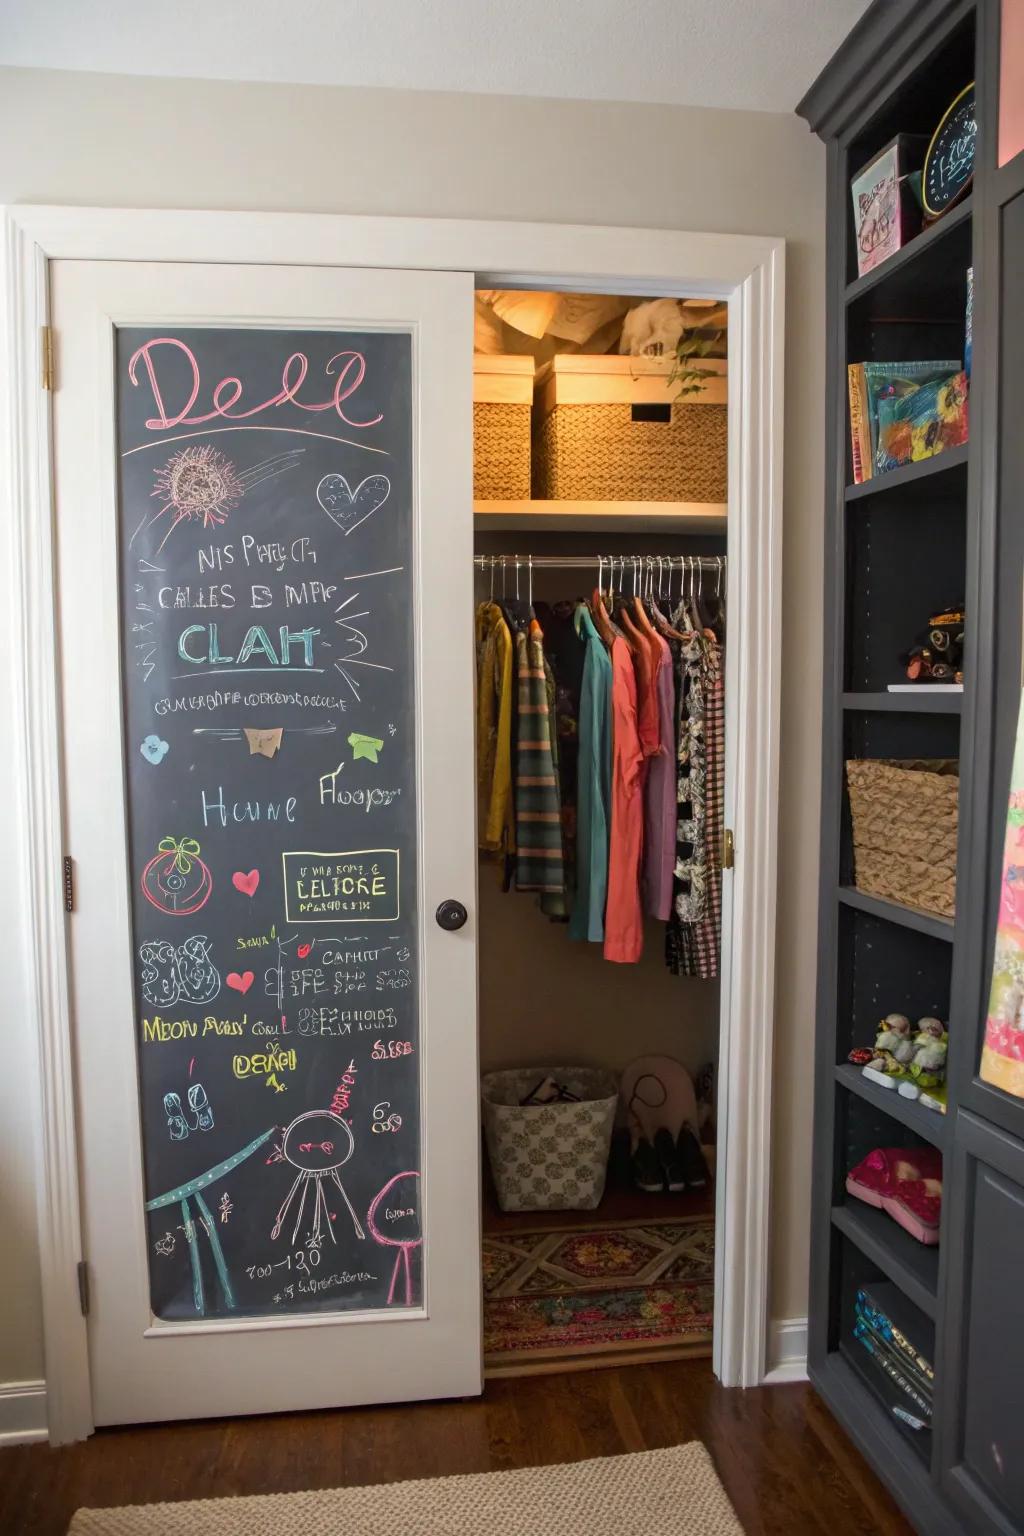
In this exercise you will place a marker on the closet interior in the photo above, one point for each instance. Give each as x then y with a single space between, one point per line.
601 583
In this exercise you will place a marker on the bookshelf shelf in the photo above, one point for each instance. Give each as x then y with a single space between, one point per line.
925 273
912 475
894 912
949 702
926 1123
906 1262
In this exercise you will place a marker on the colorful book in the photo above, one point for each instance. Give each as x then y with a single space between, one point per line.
860 425
885 381
925 422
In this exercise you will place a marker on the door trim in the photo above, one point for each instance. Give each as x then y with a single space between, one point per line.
746 270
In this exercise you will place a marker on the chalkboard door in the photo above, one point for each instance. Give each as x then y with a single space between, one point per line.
264 522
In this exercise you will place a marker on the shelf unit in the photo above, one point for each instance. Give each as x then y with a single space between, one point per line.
675 517
939 531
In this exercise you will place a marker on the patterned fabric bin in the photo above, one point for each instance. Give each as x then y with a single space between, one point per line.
502 408
549 1157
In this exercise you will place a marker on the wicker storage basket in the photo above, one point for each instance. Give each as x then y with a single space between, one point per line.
904 830
591 443
502 408
549 1157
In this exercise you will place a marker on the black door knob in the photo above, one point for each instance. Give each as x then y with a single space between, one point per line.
451 915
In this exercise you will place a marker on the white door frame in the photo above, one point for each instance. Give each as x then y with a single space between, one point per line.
748 271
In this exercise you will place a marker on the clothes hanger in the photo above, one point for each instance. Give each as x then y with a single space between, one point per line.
598 612
643 623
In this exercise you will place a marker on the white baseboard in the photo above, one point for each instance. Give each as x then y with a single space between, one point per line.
787 1351
22 1412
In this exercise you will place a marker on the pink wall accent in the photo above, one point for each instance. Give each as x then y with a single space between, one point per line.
1011 81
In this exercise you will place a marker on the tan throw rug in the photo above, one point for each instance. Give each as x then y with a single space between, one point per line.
675 1492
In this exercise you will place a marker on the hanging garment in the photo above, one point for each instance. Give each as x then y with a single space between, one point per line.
494 730
539 864
623 928
594 780
693 936
660 792
554 904
564 655
646 698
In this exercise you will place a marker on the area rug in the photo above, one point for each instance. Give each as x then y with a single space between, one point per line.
573 1298
674 1492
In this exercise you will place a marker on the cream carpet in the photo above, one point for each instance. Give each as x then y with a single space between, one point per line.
675 1492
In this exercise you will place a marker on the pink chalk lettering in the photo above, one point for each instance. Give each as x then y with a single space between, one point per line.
347 369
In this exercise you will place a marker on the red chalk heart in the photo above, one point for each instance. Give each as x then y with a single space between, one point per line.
240 983
246 883
303 950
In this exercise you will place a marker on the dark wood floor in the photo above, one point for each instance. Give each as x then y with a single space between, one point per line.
787 1466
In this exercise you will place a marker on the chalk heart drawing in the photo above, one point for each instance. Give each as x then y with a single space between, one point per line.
240 983
246 883
154 750
303 950
347 508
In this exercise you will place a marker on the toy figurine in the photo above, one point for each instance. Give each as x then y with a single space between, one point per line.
938 657
894 1049
928 1065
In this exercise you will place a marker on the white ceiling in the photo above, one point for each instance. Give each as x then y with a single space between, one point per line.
758 54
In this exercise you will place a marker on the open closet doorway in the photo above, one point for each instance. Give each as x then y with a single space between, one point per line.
601 555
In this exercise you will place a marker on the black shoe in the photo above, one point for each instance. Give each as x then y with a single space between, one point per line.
691 1158
647 1174
665 1149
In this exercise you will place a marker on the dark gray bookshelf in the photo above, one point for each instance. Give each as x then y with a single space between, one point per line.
946 529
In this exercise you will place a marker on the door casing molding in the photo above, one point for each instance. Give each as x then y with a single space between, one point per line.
747 271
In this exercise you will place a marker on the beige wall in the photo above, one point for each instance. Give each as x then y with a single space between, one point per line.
78 138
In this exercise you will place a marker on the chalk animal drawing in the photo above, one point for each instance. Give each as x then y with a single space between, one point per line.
199 1107
180 1196
317 1143
347 508
176 880
201 484
183 972
400 1200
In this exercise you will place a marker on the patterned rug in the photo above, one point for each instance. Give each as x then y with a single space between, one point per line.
568 1297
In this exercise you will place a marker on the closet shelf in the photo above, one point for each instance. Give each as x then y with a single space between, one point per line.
911 475
899 1462
928 269
907 1263
615 516
948 703
926 1123
894 912
919 1440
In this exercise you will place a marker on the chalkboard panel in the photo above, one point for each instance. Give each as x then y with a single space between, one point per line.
266 540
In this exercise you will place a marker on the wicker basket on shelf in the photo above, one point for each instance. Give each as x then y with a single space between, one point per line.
502 409
904 817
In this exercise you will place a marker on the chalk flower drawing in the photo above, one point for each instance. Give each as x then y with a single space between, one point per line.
199 484
165 1245
154 749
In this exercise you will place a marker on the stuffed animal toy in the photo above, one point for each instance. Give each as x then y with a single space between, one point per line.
938 657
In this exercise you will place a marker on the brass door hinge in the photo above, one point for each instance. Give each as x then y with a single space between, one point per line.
728 849
83 1286
46 343
68 882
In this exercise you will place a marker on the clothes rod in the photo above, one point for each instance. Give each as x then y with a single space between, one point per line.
591 562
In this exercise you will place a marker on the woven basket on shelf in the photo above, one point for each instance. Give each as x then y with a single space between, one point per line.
904 817
501 451
599 453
